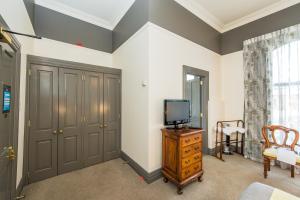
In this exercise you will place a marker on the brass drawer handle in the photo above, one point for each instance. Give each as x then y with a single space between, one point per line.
187 140
187 151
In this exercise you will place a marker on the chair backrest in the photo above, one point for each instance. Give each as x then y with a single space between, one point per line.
285 132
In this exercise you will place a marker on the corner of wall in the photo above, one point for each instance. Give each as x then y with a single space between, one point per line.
232 82
133 57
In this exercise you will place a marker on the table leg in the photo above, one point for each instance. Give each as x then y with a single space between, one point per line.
237 143
227 149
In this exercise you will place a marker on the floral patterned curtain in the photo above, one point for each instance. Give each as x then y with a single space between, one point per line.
256 63
258 82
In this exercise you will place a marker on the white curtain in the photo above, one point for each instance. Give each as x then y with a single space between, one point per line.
285 98
285 109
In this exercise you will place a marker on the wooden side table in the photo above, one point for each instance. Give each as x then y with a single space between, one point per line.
219 148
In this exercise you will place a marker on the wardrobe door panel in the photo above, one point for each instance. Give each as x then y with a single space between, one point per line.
112 107
43 114
93 123
70 119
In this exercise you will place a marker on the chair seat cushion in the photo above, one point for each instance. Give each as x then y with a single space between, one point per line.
272 152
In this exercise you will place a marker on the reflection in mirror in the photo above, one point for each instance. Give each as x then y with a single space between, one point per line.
190 77
194 95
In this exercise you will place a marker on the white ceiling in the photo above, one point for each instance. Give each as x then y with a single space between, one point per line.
225 15
229 10
104 13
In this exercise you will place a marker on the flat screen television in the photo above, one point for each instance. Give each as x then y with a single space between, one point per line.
176 112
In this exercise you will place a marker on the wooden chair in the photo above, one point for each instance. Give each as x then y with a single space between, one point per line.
269 153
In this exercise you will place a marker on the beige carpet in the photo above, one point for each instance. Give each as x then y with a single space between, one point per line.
115 180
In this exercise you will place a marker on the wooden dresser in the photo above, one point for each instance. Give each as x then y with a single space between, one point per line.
182 156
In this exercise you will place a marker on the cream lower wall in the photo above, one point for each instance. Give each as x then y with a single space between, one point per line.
151 63
15 15
63 51
233 85
155 56
133 57
57 50
168 53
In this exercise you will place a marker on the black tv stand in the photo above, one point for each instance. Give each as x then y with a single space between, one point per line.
177 127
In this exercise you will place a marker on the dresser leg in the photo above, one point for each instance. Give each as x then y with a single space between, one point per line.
200 178
179 190
166 179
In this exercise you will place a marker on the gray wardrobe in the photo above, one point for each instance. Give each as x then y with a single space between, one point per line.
74 119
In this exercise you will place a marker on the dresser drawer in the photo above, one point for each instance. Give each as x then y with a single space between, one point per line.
190 160
190 171
191 150
186 141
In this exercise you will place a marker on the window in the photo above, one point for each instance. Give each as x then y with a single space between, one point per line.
285 100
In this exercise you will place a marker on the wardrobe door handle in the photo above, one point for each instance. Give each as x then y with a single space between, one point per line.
105 125
101 126
61 131
55 132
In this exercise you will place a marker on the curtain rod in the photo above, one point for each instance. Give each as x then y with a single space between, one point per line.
23 34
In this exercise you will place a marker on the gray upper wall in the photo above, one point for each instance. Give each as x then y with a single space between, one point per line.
172 16
232 40
56 26
165 13
133 20
169 15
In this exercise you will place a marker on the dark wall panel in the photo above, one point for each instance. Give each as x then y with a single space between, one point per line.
175 18
54 25
232 40
134 19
